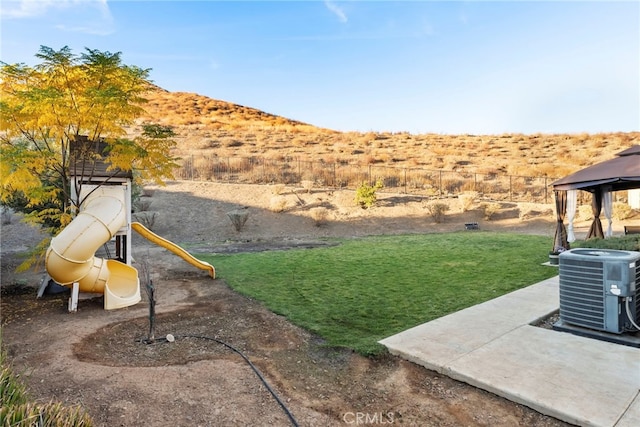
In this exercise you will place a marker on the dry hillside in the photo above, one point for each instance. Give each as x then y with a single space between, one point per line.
207 126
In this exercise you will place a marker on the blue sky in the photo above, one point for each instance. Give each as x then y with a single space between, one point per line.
448 67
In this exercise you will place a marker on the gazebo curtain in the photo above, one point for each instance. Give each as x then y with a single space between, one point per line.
560 242
596 207
572 196
607 205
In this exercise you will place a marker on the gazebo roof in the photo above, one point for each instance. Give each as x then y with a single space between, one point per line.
621 173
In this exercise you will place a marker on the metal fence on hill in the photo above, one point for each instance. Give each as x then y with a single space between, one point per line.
436 183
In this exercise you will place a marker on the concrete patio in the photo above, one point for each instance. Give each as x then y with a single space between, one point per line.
494 346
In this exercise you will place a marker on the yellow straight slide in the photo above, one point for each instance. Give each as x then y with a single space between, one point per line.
160 241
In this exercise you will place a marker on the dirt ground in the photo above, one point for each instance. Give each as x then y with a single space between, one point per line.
96 358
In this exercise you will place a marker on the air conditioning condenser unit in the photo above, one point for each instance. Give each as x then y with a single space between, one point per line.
600 289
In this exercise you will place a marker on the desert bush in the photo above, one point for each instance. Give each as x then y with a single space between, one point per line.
307 185
148 219
533 213
234 143
366 194
468 185
238 218
203 168
584 213
278 189
368 159
437 210
621 211
277 204
142 204
489 209
392 181
187 169
452 185
320 216
467 199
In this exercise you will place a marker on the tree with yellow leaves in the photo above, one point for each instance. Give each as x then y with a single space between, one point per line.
46 109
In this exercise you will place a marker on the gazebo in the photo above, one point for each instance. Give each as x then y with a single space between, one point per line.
620 173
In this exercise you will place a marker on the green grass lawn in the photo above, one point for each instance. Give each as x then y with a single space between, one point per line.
366 289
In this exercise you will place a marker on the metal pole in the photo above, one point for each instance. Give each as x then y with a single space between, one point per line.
546 200
334 175
405 180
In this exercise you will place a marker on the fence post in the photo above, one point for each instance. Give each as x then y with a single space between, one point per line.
405 180
369 175
334 175
546 200
440 184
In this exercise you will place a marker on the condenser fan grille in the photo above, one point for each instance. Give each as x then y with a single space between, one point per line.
637 298
582 293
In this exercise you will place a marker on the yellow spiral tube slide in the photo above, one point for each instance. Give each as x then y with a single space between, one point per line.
71 255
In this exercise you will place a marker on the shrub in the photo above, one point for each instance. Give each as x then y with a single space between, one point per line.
489 209
277 204
437 210
467 199
307 185
148 192
17 410
142 204
278 189
533 213
12 391
235 143
49 414
320 216
585 212
366 194
148 219
623 243
203 168
238 218
621 211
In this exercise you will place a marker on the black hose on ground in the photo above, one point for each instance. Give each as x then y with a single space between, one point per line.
253 367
